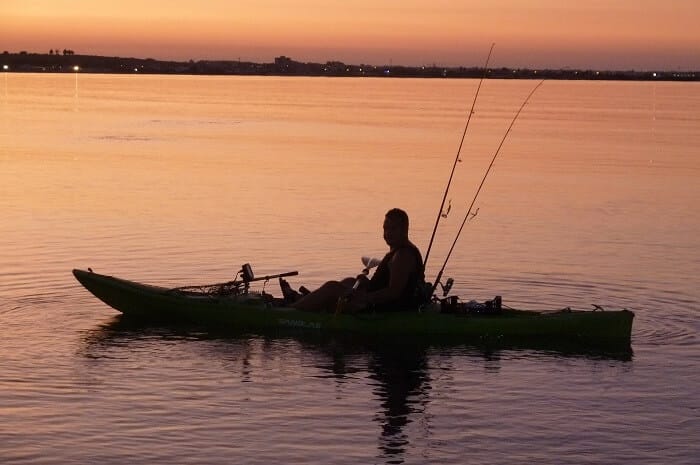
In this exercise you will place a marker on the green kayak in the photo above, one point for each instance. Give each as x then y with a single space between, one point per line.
252 311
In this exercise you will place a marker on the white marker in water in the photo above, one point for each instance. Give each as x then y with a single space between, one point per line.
5 69
76 68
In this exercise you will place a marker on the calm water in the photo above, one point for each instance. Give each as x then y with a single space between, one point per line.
180 180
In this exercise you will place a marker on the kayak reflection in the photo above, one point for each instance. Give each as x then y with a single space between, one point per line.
399 375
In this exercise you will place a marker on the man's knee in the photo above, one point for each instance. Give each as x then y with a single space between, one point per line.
333 286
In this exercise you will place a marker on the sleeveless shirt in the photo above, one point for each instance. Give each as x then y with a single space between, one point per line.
380 280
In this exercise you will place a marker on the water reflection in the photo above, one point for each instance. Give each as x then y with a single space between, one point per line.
403 385
397 373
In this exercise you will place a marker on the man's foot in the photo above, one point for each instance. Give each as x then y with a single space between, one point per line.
290 295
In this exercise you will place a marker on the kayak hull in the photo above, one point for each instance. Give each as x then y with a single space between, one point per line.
251 312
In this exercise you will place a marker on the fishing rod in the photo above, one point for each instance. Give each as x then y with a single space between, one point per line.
454 165
488 170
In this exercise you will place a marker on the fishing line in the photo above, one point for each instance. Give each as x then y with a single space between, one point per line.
440 213
483 180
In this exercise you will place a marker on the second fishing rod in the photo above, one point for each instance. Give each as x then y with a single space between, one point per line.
469 215
440 213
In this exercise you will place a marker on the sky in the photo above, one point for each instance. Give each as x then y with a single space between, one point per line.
589 34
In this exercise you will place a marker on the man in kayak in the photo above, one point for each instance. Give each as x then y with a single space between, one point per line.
396 285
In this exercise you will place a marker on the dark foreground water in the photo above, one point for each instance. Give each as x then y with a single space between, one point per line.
180 180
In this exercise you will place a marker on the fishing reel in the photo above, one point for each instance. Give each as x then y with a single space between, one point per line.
447 287
427 294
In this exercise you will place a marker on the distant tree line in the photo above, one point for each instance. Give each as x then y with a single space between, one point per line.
283 65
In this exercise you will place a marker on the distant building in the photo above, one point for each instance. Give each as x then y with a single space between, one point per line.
286 65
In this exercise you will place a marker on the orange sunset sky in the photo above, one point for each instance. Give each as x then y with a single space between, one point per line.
599 34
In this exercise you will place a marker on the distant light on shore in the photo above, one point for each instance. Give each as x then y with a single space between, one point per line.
76 68
5 67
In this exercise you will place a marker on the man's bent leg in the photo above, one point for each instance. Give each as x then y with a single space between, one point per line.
322 299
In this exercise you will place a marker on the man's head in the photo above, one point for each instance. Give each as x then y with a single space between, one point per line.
395 227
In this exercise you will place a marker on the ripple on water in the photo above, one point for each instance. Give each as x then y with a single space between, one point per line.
125 138
662 316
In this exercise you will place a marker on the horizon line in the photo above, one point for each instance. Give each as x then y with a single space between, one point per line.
434 65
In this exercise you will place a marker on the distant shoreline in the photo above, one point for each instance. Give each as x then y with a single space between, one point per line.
68 62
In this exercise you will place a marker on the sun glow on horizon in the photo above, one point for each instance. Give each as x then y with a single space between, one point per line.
536 33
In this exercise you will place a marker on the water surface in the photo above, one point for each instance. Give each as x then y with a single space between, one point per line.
179 180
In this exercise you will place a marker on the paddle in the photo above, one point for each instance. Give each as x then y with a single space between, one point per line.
369 263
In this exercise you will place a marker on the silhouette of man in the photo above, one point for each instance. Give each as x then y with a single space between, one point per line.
393 287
